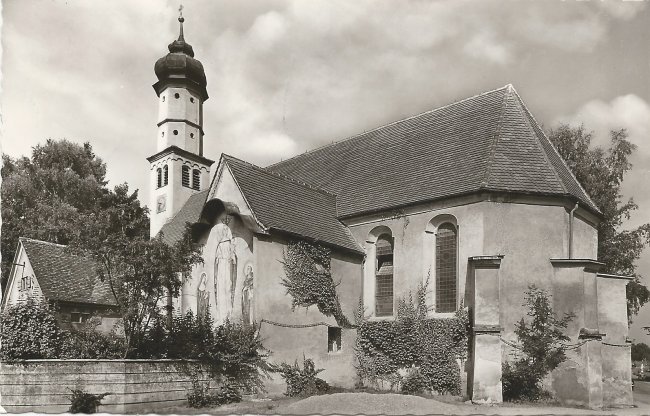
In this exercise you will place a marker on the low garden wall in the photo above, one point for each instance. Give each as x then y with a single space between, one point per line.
44 386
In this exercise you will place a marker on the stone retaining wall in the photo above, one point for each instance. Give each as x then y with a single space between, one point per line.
44 386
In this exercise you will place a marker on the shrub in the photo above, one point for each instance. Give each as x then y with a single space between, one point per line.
415 383
302 382
541 347
200 395
413 341
83 402
87 342
29 331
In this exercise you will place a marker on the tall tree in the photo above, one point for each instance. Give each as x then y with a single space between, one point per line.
140 272
44 196
601 171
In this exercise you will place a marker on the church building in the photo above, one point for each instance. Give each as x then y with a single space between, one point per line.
471 197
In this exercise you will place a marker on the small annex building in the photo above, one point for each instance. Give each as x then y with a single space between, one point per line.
471 196
47 272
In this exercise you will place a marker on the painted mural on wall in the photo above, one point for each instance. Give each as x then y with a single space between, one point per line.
203 297
247 295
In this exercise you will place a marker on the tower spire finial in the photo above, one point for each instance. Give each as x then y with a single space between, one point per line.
181 19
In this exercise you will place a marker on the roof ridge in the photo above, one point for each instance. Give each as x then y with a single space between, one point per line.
391 124
558 155
41 242
539 144
281 176
497 134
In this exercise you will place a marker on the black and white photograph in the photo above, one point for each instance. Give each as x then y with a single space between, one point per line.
332 207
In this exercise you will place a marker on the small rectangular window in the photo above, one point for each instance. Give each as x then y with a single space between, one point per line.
333 339
75 317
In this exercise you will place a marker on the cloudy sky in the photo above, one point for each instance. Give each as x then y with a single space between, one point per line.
286 76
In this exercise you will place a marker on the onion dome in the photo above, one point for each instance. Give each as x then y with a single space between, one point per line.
179 68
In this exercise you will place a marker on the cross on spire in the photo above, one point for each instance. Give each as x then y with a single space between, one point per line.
181 19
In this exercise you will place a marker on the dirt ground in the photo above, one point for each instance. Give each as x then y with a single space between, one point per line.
392 404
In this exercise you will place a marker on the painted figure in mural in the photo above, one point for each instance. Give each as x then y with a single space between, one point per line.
222 280
247 296
202 297
233 279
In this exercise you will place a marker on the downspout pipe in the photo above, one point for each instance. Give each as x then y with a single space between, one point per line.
571 213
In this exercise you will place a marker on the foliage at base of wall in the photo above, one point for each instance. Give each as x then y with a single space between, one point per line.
541 347
309 281
83 402
302 382
31 331
200 395
231 353
413 353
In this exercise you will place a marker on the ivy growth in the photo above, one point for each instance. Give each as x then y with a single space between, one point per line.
417 353
309 281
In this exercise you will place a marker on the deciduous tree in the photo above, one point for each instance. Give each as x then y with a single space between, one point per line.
601 172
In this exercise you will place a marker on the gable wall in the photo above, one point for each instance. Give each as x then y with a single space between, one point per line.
14 294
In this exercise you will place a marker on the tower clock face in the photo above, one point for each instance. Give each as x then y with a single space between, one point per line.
161 203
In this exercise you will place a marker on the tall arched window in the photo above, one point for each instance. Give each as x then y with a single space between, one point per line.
185 176
446 267
384 276
196 179
165 174
158 178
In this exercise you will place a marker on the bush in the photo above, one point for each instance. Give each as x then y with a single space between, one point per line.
541 347
87 342
415 383
83 402
29 331
384 349
302 382
200 395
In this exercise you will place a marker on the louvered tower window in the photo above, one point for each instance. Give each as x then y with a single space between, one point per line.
446 268
158 178
384 276
165 176
185 176
196 179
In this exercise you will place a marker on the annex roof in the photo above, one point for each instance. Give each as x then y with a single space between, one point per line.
172 231
64 276
489 142
286 205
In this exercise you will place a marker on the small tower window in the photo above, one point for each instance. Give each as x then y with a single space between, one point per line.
177 95
165 175
192 135
163 134
185 176
158 178
163 98
175 132
191 99
196 179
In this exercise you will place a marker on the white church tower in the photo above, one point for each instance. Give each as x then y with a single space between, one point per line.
178 168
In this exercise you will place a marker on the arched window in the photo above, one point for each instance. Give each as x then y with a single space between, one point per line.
196 179
158 178
185 176
165 174
384 276
446 267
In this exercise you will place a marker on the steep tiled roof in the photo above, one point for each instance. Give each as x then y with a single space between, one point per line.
64 276
487 142
284 204
173 230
